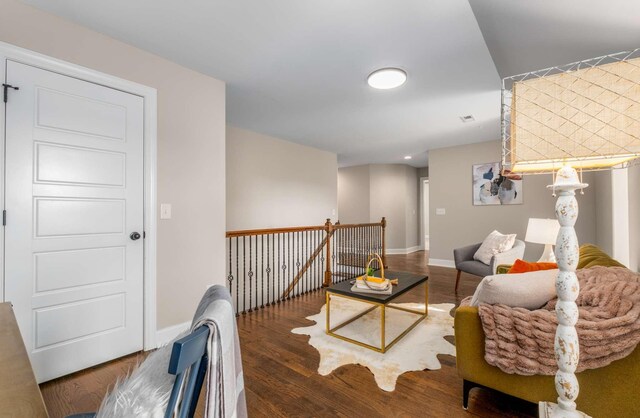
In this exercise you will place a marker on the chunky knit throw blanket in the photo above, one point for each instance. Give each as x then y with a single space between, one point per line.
520 341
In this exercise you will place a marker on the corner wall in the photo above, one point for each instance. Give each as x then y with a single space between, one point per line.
191 142
450 188
354 189
275 183
392 191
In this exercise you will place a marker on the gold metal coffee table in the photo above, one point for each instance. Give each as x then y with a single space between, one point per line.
406 282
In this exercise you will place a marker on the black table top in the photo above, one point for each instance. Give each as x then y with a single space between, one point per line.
406 282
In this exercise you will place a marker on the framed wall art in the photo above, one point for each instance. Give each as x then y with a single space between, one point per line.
492 187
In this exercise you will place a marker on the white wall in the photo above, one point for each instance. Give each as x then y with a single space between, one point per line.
634 218
392 191
274 183
450 188
604 210
618 210
191 148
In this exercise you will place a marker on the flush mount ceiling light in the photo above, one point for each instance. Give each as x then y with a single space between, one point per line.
407 157
387 78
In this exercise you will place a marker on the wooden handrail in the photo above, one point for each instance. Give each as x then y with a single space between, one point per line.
325 227
345 226
268 231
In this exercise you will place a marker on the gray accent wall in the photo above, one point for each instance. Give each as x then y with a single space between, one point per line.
275 183
450 178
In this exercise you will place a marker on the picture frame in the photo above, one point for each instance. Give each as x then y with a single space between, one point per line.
491 185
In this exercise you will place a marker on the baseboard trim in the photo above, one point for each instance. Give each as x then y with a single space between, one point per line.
402 251
165 335
438 262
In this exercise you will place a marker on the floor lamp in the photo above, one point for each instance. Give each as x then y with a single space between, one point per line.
580 116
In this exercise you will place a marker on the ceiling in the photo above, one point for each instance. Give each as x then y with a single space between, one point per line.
525 36
297 69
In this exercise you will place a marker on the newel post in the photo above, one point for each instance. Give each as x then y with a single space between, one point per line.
384 241
327 272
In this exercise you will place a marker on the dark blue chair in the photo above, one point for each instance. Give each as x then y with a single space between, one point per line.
188 361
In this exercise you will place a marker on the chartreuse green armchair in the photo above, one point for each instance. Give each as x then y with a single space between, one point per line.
607 392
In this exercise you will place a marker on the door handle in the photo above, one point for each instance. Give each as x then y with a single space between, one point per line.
135 236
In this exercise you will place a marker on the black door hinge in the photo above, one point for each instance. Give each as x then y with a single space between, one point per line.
6 87
4 217
144 234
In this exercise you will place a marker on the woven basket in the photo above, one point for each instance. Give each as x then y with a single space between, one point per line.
365 278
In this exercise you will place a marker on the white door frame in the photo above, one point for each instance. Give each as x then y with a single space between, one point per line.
422 209
620 215
25 56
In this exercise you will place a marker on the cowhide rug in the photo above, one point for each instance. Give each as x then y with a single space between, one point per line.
417 350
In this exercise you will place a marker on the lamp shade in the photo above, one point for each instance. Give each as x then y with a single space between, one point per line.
585 115
542 231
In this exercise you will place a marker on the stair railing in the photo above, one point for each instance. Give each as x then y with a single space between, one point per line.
269 266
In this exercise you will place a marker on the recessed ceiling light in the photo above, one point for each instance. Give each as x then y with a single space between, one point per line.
387 78
467 118
407 157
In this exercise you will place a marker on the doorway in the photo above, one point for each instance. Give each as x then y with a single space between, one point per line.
79 195
424 213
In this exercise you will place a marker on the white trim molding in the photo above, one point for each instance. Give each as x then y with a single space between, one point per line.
424 232
620 215
402 251
438 262
149 95
165 335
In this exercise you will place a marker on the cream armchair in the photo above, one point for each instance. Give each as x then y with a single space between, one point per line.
463 258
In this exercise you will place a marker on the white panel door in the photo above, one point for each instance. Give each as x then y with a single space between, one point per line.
74 195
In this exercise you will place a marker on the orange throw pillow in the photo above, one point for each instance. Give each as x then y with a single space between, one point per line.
521 266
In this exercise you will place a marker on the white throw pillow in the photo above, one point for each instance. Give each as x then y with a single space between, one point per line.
494 243
525 290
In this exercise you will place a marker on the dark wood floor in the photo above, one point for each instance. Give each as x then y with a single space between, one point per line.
280 369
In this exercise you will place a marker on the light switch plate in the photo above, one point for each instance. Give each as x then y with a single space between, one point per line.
441 211
165 211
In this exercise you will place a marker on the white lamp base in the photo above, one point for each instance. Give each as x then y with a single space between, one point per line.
551 410
566 343
548 256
